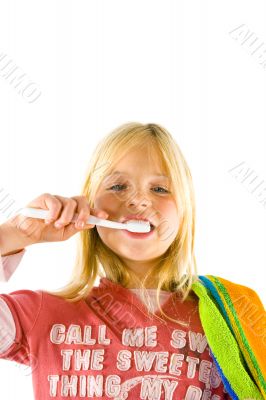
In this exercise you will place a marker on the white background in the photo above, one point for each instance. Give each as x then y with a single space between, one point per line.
99 64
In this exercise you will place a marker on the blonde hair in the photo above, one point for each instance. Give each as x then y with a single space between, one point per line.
177 269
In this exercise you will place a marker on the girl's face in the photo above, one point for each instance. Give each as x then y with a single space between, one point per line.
137 190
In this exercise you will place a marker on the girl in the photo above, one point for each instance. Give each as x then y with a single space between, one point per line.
153 328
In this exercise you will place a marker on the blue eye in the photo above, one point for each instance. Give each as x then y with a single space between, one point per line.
111 188
165 191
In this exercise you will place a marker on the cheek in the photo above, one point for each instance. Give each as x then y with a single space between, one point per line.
108 203
166 209
168 220
102 233
103 201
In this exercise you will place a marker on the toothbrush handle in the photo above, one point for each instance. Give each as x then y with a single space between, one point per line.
103 222
43 214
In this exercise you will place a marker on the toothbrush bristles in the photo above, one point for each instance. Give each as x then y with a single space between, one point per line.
134 228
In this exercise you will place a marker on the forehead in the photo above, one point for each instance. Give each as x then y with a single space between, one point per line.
142 161
153 174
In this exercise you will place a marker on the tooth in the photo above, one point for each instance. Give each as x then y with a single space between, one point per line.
136 220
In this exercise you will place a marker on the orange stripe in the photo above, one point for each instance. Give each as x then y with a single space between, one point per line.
252 316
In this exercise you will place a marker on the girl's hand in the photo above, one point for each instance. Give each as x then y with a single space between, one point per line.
61 210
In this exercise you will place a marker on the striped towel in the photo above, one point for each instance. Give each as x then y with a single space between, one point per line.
234 321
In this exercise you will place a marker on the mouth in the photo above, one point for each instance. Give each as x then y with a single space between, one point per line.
152 226
135 218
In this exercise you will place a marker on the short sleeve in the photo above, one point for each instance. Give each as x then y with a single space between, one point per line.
8 264
25 306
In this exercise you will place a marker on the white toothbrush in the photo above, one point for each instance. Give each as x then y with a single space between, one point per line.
136 226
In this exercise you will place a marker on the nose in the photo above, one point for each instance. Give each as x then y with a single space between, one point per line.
138 199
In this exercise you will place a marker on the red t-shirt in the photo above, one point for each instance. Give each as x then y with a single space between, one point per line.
108 347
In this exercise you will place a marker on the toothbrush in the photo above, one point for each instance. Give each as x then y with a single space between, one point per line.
136 226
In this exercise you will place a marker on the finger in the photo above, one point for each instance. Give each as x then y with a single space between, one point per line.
72 229
50 202
66 215
55 205
83 212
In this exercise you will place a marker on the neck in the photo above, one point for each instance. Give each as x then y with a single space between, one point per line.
138 278
139 270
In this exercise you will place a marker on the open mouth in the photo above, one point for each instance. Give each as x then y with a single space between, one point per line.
152 226
140 220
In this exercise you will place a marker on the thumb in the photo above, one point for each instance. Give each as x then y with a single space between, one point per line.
101 213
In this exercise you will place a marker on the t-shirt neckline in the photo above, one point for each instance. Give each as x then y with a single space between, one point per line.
133 297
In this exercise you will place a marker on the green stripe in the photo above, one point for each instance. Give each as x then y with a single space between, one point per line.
229 362
228 300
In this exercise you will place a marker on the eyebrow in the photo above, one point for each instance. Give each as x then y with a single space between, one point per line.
125 173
